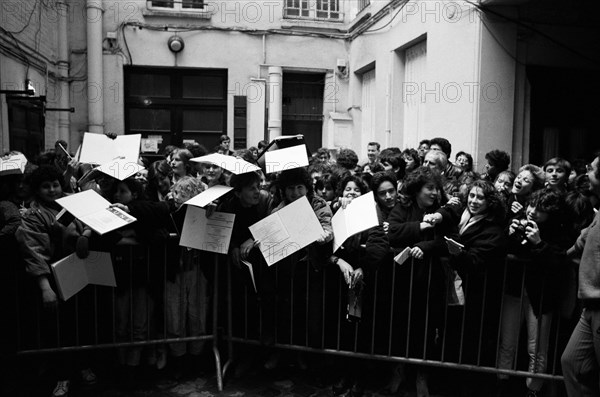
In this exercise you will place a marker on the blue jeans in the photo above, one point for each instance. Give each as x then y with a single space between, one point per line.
581 358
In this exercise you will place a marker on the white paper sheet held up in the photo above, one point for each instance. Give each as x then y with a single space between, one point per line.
358 216
72 274
209 195
287 230
286 159
207 234
230 163
95 211
403 256
13 165
100 149
120 168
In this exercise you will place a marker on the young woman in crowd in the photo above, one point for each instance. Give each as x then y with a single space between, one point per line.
44 240
504 183
557 171
473 331
139 286
159 181
464 161
358 259
305 264
537 245
412 159
529 179
410 226
250 204
187 287
179 160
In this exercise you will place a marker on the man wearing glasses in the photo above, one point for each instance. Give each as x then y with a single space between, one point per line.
581 358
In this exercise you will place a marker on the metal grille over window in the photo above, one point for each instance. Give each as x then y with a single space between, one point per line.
311 9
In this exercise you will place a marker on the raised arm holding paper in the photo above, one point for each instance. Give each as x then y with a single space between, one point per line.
95 211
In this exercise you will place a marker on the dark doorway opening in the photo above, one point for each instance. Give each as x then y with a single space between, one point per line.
564 113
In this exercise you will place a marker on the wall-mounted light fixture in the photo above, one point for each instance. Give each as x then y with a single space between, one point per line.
176 44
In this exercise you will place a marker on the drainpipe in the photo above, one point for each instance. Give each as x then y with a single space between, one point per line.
275 101
63 71
94 66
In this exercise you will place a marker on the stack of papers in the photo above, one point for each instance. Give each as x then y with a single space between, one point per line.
95 211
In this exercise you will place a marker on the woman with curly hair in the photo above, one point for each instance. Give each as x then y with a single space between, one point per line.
412 159
411 226
537 251
357 259
479 264
529 179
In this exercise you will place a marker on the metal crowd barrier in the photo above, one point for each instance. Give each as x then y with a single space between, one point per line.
96 317
406 316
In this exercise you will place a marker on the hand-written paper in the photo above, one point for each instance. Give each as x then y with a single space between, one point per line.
207 234
72 273
287 230
358 216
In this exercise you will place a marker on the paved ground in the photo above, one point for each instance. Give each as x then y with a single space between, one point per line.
288 380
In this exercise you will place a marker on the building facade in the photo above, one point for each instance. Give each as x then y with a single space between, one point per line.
512 75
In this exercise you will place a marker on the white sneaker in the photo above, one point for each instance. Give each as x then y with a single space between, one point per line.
61 389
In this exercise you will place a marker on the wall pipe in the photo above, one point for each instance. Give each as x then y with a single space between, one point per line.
63 71
94 64
275 101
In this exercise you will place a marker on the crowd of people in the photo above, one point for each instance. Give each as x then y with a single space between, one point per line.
513 258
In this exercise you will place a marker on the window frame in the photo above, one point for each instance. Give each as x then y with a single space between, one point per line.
310 10
177 6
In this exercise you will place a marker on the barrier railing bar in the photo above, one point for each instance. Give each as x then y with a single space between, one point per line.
515 355
392 308
408 360
215 312
485 280
462 323
427 309
374 313
410 294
